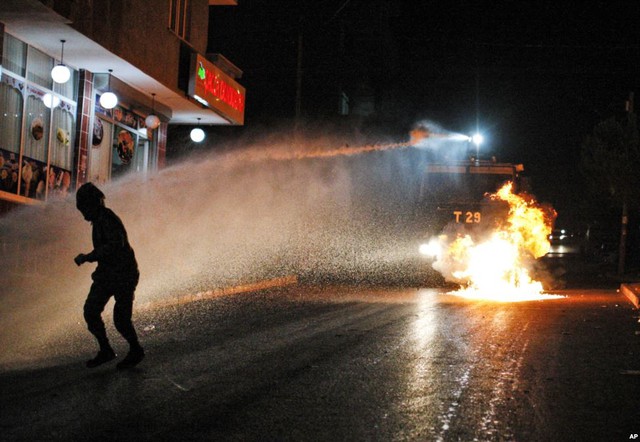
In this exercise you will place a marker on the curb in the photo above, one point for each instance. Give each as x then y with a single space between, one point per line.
632 292
223 291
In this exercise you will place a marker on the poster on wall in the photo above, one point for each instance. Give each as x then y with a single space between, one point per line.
100 153
36 139
63 137
98 133
59 181
125 117
37 179
37 129
123 151
9 171
125 146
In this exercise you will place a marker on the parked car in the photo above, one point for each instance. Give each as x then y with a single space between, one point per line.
565 243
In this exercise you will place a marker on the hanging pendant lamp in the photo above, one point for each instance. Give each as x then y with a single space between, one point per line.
108 100
61 73
197 134
152 121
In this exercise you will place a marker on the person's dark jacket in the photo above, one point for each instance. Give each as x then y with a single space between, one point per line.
117 264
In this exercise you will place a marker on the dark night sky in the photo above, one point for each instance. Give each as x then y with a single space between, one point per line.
536 76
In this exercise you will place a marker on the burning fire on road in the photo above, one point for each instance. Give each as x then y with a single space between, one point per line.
497 266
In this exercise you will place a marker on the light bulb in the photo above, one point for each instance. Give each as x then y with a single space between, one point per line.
152 121
60 73
108 100
50 100
197 135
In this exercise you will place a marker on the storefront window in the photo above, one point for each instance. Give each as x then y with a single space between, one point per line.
153 153
37 128
68 89
37 124
130 145
39 68
14 55
11 102
61 148
141 156
11 105
34 153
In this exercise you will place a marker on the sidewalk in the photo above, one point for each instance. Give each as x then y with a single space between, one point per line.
630 285
576 273
632 292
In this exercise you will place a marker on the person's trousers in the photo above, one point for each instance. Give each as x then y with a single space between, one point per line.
99 295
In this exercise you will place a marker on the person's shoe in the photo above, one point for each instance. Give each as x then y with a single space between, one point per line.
132 359
102 357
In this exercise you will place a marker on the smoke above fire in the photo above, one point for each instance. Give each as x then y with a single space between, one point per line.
497 264
318 207
313 206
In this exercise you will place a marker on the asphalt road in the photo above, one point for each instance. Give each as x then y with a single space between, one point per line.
305 363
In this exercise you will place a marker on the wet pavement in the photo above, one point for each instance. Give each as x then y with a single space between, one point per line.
346 363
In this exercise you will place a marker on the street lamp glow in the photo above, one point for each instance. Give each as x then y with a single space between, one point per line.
477 139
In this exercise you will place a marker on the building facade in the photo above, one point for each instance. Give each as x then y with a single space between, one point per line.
151 55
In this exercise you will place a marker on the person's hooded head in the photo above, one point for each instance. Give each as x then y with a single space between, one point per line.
89 200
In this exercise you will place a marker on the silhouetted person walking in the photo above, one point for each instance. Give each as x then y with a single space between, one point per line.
116 275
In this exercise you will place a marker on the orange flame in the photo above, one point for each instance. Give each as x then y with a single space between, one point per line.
528 224
497 266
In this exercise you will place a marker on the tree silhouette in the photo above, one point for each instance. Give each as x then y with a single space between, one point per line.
611 162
